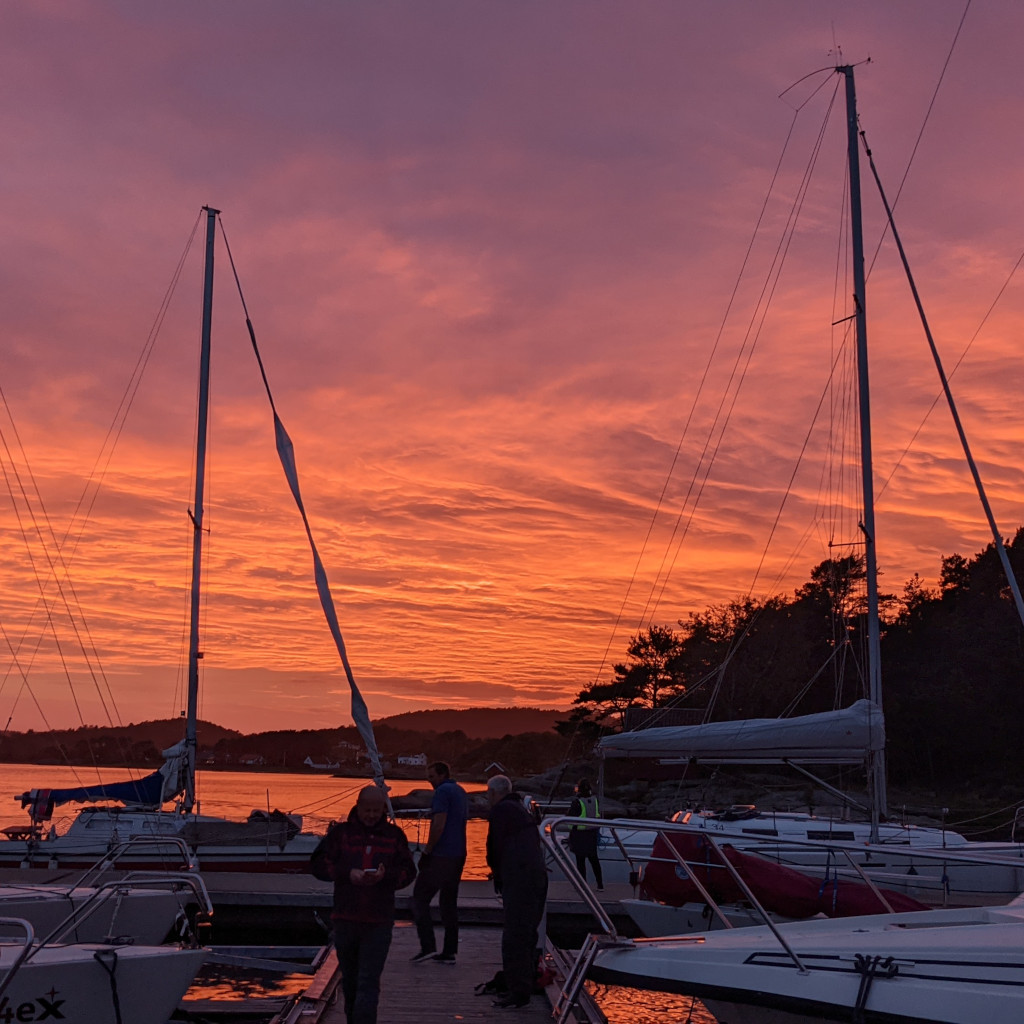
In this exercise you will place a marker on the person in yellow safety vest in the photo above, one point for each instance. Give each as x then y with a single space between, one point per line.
583 838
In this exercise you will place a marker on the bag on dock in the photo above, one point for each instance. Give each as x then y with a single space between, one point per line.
495 987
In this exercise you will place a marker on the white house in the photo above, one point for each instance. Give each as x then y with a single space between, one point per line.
413 760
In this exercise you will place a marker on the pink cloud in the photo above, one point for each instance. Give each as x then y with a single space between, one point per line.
487 250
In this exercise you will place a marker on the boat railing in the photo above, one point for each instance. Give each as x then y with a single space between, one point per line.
553 826
117 889
23 953
556 828
1018 821
117 850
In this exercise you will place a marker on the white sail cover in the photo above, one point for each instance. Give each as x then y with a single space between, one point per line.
832 737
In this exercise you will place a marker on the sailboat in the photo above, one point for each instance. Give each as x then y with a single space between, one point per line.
849 736
955 966
951 966
268 841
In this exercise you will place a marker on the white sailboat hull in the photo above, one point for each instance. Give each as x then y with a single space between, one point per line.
145 916
924 878
75 984
656 919
948 967
218 845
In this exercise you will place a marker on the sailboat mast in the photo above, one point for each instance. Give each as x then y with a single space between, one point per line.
876 764
196 515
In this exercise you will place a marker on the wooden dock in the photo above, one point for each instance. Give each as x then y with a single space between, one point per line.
429 992
265 905
279 909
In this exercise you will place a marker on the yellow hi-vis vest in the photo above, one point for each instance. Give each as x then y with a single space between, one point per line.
588 808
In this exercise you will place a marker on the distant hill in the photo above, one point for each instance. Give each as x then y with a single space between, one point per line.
139 743
477 723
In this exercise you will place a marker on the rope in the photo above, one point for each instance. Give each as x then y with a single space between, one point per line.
286 454
1018 598
107 959
869 968
64 548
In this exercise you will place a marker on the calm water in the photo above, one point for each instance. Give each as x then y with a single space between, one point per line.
320 799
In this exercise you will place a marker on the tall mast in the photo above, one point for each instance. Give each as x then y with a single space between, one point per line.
876 763
196 515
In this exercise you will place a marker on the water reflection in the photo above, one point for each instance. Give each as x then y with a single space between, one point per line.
223 983
633 1006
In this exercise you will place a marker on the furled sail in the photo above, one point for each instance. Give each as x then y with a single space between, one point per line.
360 714
831 737
286 453
151 791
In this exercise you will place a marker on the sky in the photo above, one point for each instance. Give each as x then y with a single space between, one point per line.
498 258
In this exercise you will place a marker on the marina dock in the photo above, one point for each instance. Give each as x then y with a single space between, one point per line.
296 908
297 902
432 993
279 909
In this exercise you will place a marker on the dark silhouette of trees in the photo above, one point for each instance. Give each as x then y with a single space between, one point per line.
952 664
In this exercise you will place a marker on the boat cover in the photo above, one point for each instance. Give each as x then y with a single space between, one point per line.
831 737
779 889
151 791
145 792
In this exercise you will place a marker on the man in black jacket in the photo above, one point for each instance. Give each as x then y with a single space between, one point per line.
516 860
367 858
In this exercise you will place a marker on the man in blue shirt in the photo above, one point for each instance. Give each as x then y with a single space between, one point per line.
440 866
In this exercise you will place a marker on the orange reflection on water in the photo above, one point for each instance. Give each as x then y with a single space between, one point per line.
220 983
635 1006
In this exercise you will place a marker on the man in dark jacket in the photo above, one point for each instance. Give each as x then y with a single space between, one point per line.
367 858
516 860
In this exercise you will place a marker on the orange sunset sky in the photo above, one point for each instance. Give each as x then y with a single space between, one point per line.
487 248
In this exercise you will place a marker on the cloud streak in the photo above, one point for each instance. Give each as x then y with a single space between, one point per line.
488 251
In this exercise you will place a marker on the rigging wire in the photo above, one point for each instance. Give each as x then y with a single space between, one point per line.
741 365
924 124
64 548
1011 579
842 461
716 432
956 366
694 404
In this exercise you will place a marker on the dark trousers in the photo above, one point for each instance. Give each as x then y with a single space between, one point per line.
595 863
524 908
438 875
584 843
362 950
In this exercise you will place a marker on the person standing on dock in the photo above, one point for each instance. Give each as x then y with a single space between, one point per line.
367 857
516 860
583 839
441 864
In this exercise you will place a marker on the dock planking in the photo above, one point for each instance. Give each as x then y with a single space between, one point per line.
433 993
